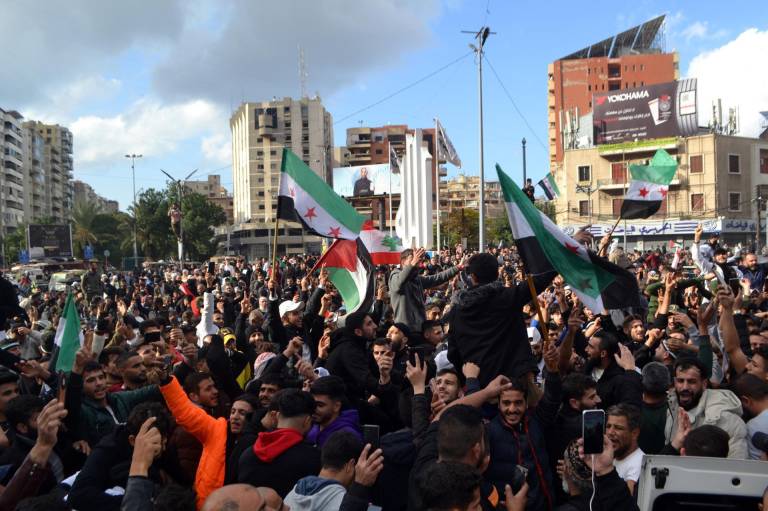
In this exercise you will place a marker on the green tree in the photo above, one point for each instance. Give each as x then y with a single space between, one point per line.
547 207
111 229
462 223
498 230
84 217
154 239
198 218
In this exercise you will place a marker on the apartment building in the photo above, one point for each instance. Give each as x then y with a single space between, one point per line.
12 178
463 192
718 180
260 131
211 189
633 58
83 192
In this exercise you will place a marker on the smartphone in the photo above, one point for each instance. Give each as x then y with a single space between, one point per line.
735 284
412 351
593 430
211 267
62 387
371 436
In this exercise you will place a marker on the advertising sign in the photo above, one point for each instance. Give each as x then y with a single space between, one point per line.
655 111
49 240
365 180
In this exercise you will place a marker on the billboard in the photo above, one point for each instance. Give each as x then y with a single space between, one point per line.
49 240
365 180
654 111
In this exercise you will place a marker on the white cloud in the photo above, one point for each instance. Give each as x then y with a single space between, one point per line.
148 127
732 72
217 149
694 30
61 102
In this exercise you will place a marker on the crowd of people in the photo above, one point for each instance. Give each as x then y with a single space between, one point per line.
242 386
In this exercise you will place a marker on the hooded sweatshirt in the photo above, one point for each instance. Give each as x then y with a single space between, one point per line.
278 460
348 420
319 494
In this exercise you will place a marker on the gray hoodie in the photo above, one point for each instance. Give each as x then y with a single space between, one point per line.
314 493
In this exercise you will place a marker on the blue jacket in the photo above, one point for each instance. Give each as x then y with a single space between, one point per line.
348 420
526 445
756 277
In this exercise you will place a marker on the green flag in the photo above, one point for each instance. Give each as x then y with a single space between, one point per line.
69 337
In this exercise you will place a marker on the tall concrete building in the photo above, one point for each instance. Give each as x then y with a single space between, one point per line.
36 178
13 194
83 192
633 58
463 192
259 133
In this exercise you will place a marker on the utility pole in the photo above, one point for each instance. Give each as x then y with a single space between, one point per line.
133 158
180 192
481 36
525 174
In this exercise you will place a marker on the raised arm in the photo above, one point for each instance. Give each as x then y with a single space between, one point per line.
728 328
192 418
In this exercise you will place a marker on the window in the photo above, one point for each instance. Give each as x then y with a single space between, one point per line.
273 153
697 202
696 164
733 164
584 172
583 208
617 207
379 151
589 87
734 201
619 173
764 161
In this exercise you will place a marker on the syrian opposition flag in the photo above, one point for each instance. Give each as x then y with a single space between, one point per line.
304 197
545 248
445 149
384 249
68 337
549 186
649 186
350 269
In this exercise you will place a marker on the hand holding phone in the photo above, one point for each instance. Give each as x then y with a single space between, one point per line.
371 435
593 430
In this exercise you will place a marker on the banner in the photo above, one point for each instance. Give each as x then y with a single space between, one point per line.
654 111
365 180
49 241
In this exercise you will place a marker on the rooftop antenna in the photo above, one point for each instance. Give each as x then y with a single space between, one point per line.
302 72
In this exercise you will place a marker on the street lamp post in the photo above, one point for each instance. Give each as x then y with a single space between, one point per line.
133 158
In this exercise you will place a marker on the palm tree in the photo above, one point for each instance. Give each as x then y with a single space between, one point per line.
83 220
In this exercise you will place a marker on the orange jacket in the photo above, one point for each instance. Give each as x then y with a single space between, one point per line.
212 433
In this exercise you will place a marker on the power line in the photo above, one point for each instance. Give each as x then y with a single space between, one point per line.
405 88
509 96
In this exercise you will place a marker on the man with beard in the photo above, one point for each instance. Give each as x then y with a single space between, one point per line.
615 384
133 371
330 413
623 429
448 385
634 328
715 407
754 271
517 435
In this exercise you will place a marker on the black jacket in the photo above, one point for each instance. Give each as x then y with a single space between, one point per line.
281 474
488 324
619 386
611 494
348 359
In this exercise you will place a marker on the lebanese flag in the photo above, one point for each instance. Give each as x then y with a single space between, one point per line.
304 197
649 186
384 249
350 269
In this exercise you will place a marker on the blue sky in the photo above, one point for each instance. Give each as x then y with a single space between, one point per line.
160 78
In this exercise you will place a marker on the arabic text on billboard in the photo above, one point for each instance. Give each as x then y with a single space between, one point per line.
655 111
365 180
49 241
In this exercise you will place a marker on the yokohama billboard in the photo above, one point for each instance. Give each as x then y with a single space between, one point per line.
655 111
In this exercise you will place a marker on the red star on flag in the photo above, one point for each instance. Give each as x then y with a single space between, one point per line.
310 214
292 191
643 192
572 248
663 192
335 232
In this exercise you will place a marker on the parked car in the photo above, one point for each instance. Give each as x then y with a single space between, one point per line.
63 280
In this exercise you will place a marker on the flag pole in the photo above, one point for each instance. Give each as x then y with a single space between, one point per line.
610 233
437 181
277 224
389 151
534 298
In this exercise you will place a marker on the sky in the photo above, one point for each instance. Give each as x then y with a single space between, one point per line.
161 77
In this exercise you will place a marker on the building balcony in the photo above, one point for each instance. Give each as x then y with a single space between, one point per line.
611 185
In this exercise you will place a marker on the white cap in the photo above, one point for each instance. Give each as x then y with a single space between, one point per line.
290 306
441 361
534 336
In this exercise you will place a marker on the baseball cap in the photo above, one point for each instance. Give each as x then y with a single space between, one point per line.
227 334
290 306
